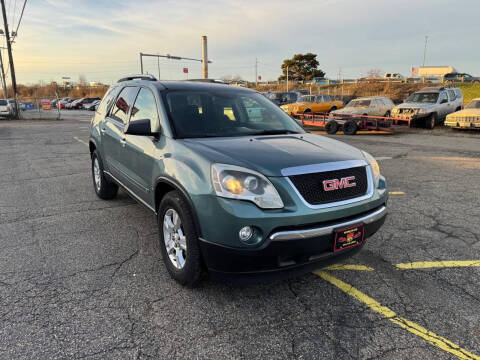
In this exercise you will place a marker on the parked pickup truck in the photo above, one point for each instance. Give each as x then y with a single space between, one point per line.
430 105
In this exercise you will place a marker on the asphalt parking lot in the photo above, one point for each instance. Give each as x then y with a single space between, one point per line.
82 278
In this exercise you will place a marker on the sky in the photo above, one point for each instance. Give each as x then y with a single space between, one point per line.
101 39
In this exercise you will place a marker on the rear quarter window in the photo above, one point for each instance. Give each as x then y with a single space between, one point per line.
107 100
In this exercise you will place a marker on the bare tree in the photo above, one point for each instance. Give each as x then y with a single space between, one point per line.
374 73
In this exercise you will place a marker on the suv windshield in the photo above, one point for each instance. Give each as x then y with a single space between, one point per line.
275 96
208 113
423 98
3 102
358 103
474 104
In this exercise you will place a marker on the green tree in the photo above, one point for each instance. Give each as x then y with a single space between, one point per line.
301 67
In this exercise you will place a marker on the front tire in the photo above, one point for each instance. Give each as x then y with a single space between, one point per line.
179 239
430 122
104 188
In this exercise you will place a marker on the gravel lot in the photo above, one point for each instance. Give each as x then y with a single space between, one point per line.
82 278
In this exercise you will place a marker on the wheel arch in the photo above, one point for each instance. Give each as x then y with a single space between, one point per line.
164 185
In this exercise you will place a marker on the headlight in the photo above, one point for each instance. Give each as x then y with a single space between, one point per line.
421 111
374 165
394 110
235 182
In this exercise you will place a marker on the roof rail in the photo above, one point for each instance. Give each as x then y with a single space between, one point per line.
138 77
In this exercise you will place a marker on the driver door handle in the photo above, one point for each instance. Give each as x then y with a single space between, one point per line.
123 142
103 130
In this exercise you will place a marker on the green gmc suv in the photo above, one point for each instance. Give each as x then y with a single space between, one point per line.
238 187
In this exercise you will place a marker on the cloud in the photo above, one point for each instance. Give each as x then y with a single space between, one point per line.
348 34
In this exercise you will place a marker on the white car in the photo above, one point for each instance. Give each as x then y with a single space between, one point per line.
370 106
4 108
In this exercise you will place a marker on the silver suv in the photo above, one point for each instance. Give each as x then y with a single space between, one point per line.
430 105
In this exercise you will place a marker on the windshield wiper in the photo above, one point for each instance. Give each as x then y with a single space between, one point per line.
274 132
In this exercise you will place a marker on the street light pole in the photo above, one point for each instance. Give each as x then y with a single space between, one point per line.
425 50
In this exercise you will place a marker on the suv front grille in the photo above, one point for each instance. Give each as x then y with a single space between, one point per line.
311 186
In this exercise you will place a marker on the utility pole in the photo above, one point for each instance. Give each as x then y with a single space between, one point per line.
9 49
141 63
204 57
4 82
158 65
256 72
424 50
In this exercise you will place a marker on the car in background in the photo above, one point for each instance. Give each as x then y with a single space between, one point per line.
312 104
93 106
394 76
368 106
70 105
87 101
29 105
460 77
63 102
282 98
80 104
468 118
429 106
5 111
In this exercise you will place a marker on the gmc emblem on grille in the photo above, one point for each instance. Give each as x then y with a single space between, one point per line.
335 184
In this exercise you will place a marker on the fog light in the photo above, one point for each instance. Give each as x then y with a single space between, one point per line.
245 233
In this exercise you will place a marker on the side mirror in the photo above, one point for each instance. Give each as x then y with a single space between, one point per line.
443 101
140 127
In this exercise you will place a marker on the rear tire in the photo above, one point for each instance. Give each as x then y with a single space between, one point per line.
179 239
350 127
387 114
331 127
104 188
430 122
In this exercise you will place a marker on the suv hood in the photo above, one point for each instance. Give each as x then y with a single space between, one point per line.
410 105
270 154
351 110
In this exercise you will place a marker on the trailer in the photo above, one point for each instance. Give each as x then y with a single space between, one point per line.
350 124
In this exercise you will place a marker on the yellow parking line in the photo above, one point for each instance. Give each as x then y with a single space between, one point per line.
348 267
80 141
396 193
432 338
438 264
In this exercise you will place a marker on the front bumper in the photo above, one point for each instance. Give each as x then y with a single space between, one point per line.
410 116
288 251
462 124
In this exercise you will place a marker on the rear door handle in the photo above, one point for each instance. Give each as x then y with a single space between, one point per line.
123 142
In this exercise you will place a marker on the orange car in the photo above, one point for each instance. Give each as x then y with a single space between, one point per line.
313 104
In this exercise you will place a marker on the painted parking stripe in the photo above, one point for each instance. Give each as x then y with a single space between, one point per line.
380 158
396 193
349 267
437 264
80 141
432 338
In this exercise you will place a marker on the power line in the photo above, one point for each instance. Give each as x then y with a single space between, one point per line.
19 19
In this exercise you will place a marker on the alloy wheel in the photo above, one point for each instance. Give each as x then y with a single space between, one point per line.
174 238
